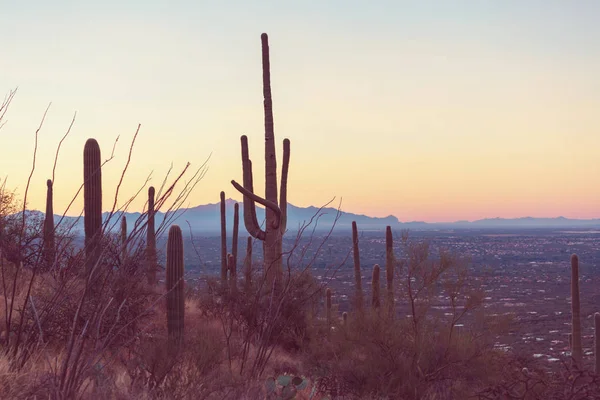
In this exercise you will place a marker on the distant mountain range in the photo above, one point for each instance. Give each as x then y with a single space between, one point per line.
206 219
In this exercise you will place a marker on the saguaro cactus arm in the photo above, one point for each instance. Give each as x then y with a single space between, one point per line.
255 198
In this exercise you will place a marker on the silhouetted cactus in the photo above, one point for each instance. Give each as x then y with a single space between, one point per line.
151 259
92 203
49 249
345 318
123 239
232 272
375 301
576 351
276 213
175 285
248 266
223 242
236 229
389 270
597 341
328 306
357 275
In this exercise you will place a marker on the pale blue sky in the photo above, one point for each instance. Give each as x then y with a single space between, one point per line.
426 110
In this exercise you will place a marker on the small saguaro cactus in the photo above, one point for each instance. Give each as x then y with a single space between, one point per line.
597 341
236 229
123 239
357 275
151 259
375 302
389 270
232 272
276 212
328 306
576 352
49 250
175 285
248 265
223 241
92 203
345 318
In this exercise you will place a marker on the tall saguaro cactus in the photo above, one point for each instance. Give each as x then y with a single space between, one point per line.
49 250
328 307
223 241
375 301
357 275
175 285
92 202
389 270
276 212
576 351
151 259
236 230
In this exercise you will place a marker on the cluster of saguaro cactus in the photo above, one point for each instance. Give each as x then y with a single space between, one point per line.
175 285
151 261
276 212
576 351
92 195
229 260
49 250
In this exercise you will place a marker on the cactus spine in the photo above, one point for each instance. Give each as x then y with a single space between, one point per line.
276 213
123 239
576 352
375 302
175 285
151 239
597 341
357 275
49 250
328 307
92 200
223 241
248 265
389 270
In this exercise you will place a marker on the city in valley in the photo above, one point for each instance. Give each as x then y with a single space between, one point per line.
525 275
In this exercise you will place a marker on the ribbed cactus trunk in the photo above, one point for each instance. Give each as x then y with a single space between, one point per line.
223 242
576 351
151 259
389 271
175 285
375 301
123 239
92 203
248 266
328 307
357 274
49 249
275 210
597 341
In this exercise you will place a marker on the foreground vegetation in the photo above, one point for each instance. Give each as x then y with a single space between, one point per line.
106 320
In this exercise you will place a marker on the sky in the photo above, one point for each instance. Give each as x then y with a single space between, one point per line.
427 110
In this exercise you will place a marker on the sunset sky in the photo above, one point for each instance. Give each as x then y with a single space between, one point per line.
427 110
